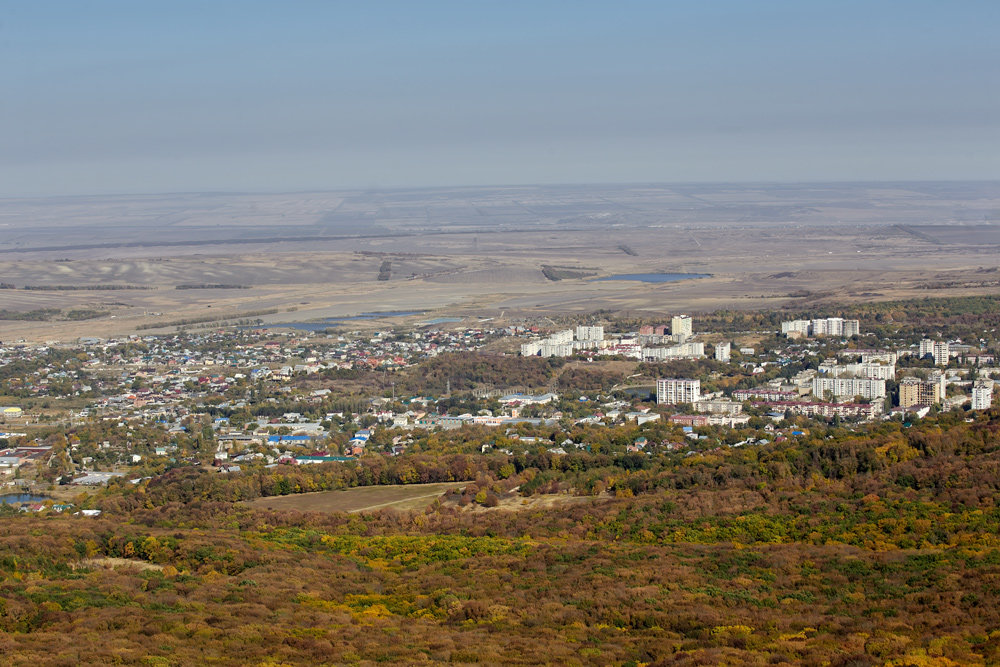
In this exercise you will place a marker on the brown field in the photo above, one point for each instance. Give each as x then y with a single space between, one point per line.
479 252
360 499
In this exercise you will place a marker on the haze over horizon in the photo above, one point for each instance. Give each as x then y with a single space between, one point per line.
125 98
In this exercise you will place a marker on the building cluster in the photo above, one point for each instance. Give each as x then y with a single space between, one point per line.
830 326
650 343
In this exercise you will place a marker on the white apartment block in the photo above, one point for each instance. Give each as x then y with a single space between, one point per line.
871 356
722 352
871 371
680 325
559 344
830 326
551 349
682 351
530 349
982 394
848 387
941 353
562 337
590 333
800 327
671 391
926 348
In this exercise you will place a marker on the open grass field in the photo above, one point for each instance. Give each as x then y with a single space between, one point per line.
360 499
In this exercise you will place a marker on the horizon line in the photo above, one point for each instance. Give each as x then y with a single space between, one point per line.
497 186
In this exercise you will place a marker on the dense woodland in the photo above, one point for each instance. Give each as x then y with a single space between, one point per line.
878 547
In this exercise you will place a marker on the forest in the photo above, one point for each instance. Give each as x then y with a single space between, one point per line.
871 547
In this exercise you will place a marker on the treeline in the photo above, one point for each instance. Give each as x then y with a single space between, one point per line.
220 319
212 286
85 288
39 315
982 311
556 273
469 371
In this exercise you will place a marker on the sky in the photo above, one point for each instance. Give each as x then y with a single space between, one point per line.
106 97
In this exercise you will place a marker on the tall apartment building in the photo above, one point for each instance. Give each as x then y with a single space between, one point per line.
682 351
849 387
982 394
926 348
799 327
680 325
941 353
590 333
873 371
835 326
722 352
565 336
671 391
914 391
869 356
830 326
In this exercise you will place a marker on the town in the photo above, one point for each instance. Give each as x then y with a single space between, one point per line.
85 413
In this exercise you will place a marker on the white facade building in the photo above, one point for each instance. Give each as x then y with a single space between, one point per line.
848 387
941 353
681 325
872 371
722 352
682 351
800 327
590 333
830 326
671 391
562 336
982 394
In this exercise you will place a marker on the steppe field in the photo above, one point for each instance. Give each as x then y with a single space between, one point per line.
361 498
103 266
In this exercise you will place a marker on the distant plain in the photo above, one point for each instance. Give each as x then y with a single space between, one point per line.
484 252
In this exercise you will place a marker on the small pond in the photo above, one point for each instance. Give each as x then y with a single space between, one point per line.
13 498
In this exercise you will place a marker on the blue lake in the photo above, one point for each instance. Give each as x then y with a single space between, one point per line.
656 277
12 498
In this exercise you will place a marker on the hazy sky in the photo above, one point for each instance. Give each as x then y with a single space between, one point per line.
150 96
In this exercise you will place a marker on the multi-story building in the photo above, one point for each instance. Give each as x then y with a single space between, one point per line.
941 353
681 325
982 394
764 394
720 406
530 349
552 349
722 352
830 326
873 371
590 333
559 344
682 351
849 387
672 391
914 391
926 348
565 336
871 356
863 410
796 327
